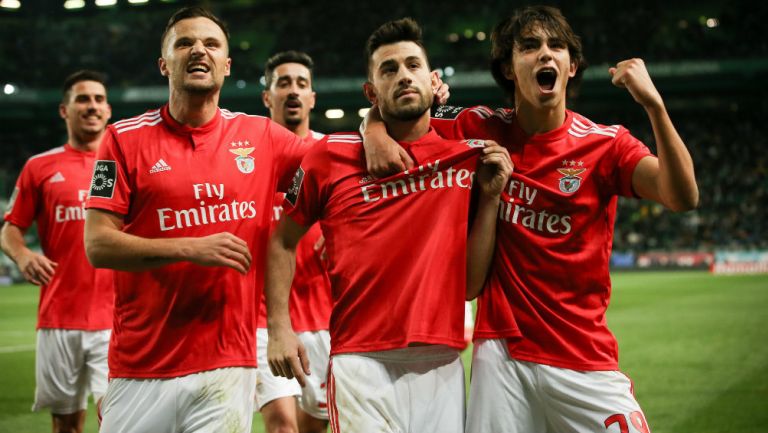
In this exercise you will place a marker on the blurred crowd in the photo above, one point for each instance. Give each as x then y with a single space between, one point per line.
731 161
457 33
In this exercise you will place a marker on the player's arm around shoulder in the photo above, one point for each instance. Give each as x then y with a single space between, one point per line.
495 168
285 352
107 246
670 179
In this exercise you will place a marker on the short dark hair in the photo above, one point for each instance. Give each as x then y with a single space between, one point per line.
280 58
511 30
404 29
193 12
76 77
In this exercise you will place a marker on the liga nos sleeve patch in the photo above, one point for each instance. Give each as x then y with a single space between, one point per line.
293 192
103 181
447 112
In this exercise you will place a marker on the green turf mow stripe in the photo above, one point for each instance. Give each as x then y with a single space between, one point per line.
694 345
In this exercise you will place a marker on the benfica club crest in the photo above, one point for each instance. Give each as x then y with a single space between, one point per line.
245 163
570 182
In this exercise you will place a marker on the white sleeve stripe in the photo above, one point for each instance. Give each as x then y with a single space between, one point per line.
151 115
594 131
142 124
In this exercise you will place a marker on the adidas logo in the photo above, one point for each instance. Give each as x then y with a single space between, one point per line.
159 166
58 177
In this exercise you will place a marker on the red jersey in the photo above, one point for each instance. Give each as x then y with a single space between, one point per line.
550 273
51 190
310 300
170 181
396 247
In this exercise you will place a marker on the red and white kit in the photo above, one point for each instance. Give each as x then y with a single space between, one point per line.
396 260
555 235
74 314
396 264
549 280
169 180
51 190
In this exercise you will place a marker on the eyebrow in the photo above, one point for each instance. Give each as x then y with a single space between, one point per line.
288 77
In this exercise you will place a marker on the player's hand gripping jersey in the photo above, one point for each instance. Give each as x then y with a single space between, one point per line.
51 190
550 271
169 180
396 247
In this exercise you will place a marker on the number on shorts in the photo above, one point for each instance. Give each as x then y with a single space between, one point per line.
636 418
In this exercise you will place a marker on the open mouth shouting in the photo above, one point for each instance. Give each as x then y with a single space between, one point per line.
546 77
198 67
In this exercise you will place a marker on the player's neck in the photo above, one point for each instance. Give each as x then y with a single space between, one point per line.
193 110
538 120
407 130
88 143
302 129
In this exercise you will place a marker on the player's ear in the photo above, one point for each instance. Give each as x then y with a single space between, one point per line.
370 92
266 99
228 67
312 100
572 69
63 111
435 80
163 67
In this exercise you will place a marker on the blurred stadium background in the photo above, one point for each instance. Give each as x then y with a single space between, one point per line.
709 60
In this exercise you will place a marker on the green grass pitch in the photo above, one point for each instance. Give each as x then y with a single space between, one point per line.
695 345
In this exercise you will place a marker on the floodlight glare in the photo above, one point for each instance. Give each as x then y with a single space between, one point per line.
74 4
334 113
10 4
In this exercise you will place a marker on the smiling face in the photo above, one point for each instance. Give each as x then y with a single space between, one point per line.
195 56
85 111
400 81
541 66
290 97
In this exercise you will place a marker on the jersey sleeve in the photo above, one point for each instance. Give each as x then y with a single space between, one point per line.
309 191
110 188
456 123
289 149
25 199
628 152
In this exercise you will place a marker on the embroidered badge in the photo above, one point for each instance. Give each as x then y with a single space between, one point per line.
245 163
570 182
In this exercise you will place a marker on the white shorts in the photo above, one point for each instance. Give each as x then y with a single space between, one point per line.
511 396
313 399
69 365
212 401
412 390
268 386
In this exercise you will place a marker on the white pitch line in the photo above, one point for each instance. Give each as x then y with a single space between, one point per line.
16 349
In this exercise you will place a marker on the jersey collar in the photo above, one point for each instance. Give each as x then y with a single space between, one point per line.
181 129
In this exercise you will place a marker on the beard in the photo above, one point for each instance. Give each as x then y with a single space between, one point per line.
198 88
292 120
407 112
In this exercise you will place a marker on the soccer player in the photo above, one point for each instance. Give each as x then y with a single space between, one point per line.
550 279
397 251
180 203
75 311
290 98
